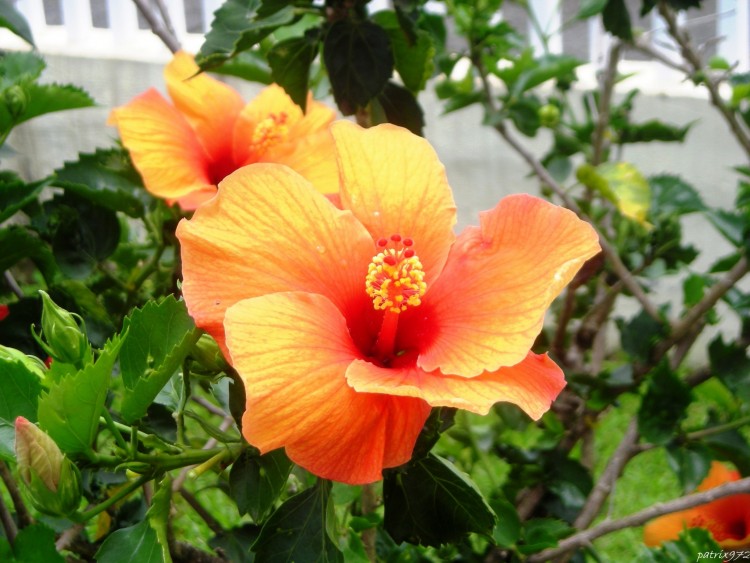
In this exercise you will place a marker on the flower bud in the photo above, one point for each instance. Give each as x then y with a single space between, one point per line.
52 480
15 100
208 354
66 341
32 363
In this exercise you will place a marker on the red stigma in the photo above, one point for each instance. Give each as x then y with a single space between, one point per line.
390 260
395 238
408 253
382 242
407 242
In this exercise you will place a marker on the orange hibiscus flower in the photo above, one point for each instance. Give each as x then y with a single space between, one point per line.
727 519
348 323
185 148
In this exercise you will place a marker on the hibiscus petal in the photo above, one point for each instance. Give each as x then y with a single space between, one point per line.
272 100
394 184
314 157
292 351
488 305
532 385
266 231
210 106
162 145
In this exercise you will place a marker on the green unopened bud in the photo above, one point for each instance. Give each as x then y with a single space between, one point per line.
32 363
53 481
15 100
64 334
208 354
549 115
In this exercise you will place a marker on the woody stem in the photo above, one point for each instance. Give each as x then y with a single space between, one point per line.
384 347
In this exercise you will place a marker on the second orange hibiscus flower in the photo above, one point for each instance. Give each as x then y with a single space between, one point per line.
185 148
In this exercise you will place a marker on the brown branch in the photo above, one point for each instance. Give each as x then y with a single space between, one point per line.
682 38
159 26
199 509
585 538
6 519
684 326
624 452
22 513
605 101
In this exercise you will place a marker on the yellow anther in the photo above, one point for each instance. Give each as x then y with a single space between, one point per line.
395 280
269 132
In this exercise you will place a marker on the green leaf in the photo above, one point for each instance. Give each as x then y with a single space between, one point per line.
541 533
18 66
13 20
413 49
255 482
236 543
691 543
41 99
36 544
296 531
663 406
731 446
616 19
105 178
430 502
652 130
290 62
400 107
19 396
159 338
631 190
15 193
508 528
731 364
238 26
690 463
671 194
544 68
18 243
249 65
590 8
359 61
729 224
639 335
69 412
81 233
136 543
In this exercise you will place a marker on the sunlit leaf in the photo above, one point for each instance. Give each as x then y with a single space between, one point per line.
69 412
159 338
136 543
239 25
13 20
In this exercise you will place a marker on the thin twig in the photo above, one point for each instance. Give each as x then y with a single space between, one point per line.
22 513
6 519
199 509
13 284
607 87
586 537
158 26
68 536
689 53
624 452
369 505
682 327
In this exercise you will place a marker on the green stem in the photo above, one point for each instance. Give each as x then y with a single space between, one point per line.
698 434
114 499
113 429
179 413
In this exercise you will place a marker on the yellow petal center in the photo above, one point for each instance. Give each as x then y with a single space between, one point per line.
268 132
395 278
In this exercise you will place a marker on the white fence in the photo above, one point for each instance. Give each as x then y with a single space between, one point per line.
113 28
